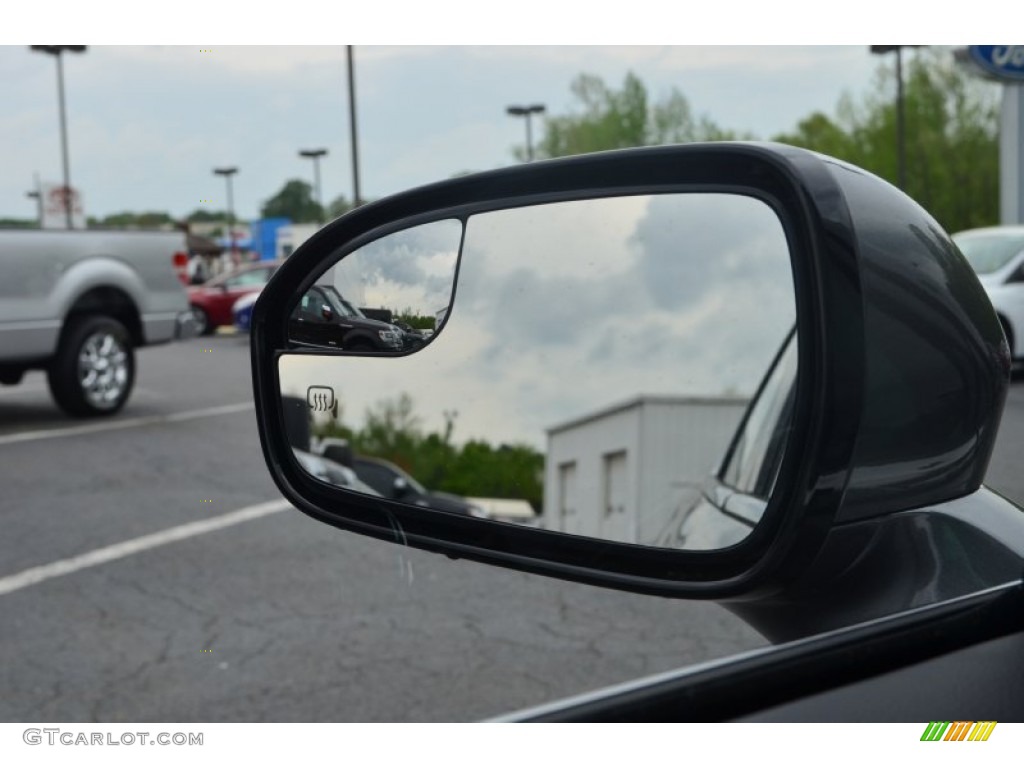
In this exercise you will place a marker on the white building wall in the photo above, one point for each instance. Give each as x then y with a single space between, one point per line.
587 444
670 444
682 442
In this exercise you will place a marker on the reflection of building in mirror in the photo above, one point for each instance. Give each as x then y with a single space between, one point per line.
627 472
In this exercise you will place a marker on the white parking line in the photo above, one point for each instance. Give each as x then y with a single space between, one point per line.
142 421
123 549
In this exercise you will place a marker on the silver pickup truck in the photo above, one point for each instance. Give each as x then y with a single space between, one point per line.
77 303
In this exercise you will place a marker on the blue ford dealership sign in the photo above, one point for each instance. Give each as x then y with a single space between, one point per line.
1003 61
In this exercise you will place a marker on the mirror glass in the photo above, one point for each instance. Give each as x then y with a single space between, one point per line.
579 366
384 298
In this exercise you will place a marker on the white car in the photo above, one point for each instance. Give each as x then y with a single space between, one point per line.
997 256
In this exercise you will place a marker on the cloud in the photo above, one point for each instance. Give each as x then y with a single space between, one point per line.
412 269
425 112
566 308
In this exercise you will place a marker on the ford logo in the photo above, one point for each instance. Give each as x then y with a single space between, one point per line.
1003 61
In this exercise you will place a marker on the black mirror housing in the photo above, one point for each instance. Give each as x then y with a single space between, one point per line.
872 274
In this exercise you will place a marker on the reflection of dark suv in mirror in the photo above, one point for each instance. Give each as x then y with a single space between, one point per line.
412 338
323 318
392 483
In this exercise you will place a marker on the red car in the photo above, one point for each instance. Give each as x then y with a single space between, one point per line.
212 301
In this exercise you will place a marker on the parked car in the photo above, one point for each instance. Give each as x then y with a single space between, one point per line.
323 318
392 482
241 311
997 256
336 449
857 534
333 473
411 337
212 301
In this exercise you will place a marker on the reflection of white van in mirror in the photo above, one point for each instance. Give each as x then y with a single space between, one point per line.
997 256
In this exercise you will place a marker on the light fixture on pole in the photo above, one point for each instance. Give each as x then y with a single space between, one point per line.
315 155
526 111
56 51
227 173
901 155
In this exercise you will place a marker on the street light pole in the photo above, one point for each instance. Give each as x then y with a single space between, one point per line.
315 155
900 136
517 110
56 51
901 153
356 201
227 173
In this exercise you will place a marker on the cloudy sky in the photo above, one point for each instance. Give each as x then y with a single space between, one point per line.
148 124
619 297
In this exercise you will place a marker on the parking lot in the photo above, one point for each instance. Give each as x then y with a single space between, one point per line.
274 617
263 614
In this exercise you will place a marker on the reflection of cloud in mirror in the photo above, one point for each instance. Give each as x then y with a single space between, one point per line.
565 308
412 269
693 246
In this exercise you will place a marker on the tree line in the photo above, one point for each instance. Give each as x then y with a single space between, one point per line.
393 431
951 129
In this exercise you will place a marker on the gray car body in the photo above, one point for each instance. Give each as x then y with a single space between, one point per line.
43 274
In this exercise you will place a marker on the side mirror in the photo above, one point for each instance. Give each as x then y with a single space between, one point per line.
326 313
401 487
703 366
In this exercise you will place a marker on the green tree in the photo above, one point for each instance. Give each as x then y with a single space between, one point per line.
338 207
393 431
605 118
10 223
414 320
294 201
130 220
201 216
951 137
508 471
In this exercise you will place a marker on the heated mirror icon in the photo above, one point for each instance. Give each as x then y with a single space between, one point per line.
320 398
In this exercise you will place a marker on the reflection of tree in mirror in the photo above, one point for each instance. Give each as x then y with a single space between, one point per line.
393 431
409 317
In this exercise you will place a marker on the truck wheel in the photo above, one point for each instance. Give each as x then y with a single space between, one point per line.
94 369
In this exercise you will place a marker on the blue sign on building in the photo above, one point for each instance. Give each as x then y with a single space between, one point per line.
264 236
1005 62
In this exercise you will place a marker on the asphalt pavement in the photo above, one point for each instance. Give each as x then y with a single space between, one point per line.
130 593
149 571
